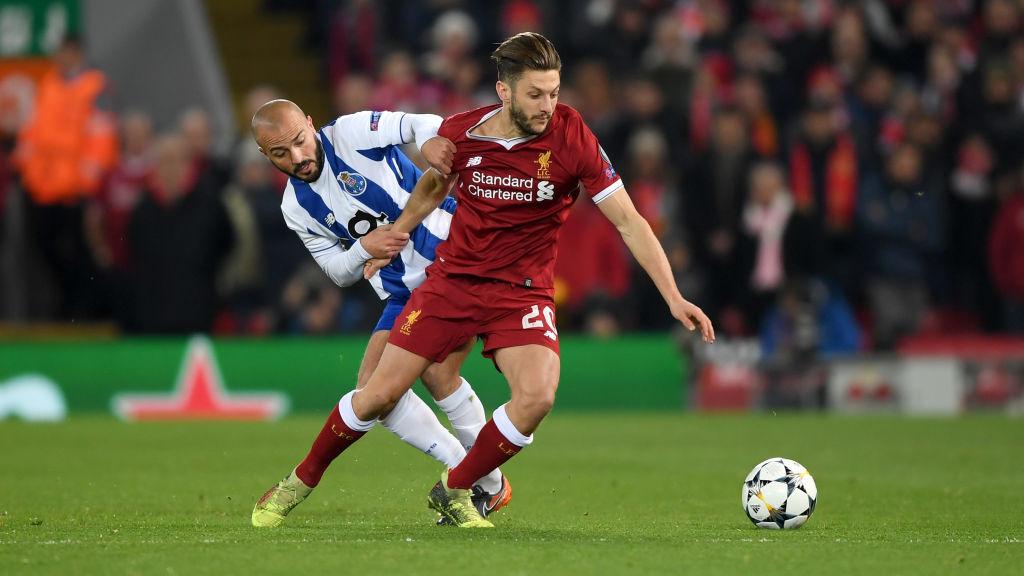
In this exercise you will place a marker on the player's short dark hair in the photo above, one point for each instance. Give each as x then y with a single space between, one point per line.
522 52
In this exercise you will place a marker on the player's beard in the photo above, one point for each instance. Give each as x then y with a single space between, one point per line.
522 122
318 161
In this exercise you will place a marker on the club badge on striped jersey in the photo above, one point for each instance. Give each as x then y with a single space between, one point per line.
352 182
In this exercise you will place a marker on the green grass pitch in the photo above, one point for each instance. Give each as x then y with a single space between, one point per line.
623 493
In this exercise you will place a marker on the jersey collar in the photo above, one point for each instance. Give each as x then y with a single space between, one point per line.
506 143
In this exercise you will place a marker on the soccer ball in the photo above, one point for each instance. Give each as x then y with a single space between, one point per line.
779 494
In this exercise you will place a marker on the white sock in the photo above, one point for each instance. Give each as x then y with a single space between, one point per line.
415 423
466 414
509 430
348 415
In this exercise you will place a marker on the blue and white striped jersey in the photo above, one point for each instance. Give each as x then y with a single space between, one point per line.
365 183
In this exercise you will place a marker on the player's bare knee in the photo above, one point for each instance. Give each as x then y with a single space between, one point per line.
386 399
536 401
441 381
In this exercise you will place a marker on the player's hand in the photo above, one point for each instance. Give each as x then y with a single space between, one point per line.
693 317
371 267
439 152
382 242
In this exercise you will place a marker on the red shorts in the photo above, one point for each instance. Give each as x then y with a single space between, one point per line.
446 311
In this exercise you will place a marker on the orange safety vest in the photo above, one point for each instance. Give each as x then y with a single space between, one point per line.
67 146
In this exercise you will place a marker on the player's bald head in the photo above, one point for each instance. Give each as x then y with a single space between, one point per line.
275 116
287 137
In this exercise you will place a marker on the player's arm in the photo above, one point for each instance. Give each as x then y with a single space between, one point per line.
345 266
381 129
438 151
647 250
428 194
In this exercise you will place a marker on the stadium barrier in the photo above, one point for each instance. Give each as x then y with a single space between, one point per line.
929 376
266 378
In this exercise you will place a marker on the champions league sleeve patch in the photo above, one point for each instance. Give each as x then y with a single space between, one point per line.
374 121
609 171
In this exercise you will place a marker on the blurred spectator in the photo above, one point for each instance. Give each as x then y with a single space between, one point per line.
1006 257
971 205
940 92
178 235
107 215
1001 23
753 103
596 100
453 38
463 90
209 166
312 304
63 153
399 86
254 98
265 253
900 221
809 320
755 56
669 60
653 189
823 175
257 96
644 108
849 43
920 29
716 189
352 94
520 16
761 253
353 39
1001 118
868 104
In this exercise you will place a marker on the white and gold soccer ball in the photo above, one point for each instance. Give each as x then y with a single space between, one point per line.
779 494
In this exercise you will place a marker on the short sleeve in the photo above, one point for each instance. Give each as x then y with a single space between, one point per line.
367 129
448 129
594 170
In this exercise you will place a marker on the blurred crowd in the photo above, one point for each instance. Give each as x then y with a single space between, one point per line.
823 174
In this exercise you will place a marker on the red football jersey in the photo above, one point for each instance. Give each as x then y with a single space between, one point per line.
515 194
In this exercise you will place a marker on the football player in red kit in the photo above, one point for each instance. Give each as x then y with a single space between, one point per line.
518 168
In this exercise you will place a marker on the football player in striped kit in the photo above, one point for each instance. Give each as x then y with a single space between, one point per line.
348 182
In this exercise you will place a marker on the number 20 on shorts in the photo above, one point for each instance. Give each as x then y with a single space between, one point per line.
532 320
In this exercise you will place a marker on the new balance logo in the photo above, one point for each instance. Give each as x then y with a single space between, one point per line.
329 220
474 161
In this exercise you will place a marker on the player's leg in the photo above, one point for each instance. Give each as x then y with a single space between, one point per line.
532 372
411 419
456 397
342 429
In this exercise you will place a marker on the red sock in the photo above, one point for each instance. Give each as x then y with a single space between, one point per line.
490 450
333 439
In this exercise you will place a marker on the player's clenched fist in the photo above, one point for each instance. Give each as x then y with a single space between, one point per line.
439 153
382 242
